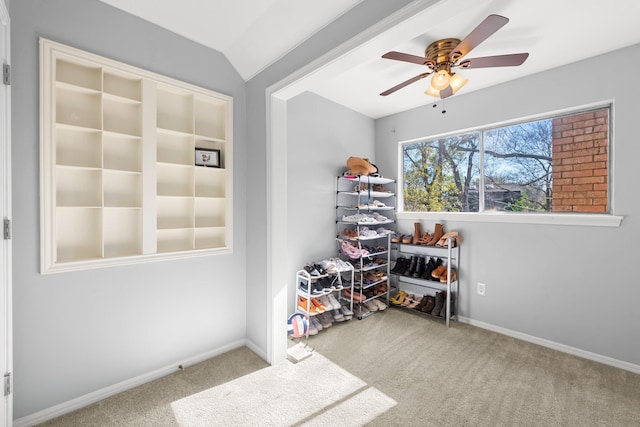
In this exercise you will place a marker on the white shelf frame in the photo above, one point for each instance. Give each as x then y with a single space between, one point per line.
123 108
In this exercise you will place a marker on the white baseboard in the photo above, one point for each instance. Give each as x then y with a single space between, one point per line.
96 396
631 367
257 350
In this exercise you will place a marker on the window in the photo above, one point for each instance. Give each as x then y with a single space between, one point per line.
553 165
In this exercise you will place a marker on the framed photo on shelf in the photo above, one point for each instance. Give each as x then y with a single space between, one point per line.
207 157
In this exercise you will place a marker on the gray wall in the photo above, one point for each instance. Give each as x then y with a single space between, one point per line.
573 285
350 24
321 135
76 333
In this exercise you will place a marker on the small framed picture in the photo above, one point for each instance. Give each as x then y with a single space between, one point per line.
207 157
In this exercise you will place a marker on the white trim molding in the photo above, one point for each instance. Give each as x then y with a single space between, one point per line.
605 360
592 220
96 396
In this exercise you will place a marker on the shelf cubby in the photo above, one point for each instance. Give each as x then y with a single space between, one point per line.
174 180
78 147
81 187
78 109
209 182
175 240
209 212
210 118
175 212
174 110
212 237
122 232
79 74
122 189
123 86
122 153
174 148
122 118
86 240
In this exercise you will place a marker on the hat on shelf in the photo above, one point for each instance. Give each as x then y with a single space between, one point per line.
360 166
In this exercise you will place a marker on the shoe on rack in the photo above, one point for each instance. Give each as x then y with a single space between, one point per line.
307 307
312 329
439 302
437 235
356 296
316 323
333 302
420 268
421 304
320 308
304 288
397 238
438 272
361 310
417 233
444 240
431 303
407 238
371 305
416 302
444 277
408 300
412 267
381 306
337 316
398 298
326 320
346 311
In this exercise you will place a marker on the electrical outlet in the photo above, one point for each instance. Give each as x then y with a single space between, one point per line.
481 289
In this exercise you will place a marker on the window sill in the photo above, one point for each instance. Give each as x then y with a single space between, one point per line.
592 220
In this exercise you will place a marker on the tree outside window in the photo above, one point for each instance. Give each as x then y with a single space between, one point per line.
558 164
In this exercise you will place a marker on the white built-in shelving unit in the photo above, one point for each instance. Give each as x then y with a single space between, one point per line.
119 182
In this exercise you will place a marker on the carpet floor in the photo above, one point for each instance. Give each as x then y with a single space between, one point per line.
395 368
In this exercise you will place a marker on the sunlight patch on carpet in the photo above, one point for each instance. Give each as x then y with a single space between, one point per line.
314 390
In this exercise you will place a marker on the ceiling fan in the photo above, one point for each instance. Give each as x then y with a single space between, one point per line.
443 55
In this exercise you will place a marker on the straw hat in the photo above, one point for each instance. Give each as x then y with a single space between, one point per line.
360 166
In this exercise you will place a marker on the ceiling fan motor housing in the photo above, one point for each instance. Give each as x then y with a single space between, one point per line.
438 53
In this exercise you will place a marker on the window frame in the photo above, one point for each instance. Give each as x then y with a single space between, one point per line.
579 219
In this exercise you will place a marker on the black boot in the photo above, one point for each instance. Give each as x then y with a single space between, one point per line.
428 268
412 267
420 269
440 303
399 264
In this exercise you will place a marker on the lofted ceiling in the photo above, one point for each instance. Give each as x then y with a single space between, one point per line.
253 34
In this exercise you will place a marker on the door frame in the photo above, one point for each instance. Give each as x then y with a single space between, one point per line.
6 411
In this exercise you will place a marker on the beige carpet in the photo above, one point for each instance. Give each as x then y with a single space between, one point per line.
461 376
315 390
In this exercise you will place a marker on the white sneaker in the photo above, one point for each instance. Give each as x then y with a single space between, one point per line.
316 323
335 304
324 300
381 306
371 305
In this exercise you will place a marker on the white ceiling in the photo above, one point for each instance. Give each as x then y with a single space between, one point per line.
253 34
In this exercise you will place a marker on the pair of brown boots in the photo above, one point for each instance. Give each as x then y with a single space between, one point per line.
426 238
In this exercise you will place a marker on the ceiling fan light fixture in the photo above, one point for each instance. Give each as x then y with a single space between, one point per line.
457 81
440 80
432 92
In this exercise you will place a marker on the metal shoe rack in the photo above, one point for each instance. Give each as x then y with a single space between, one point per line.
360 203
343 279
450 256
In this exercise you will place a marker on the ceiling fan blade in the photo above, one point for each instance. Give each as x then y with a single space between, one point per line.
490 25
495 61
404 83
399 56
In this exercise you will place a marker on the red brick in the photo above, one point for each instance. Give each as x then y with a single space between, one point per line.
576 187
580 138
578 117
579 145
576 160
589 180
600 172
561 208
560 181
589 209
599 187
603 113
572 132
561 127
591 166
563 168
563 155
563 141
578 174
602 201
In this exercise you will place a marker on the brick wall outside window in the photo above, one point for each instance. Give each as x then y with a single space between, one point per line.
580 162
